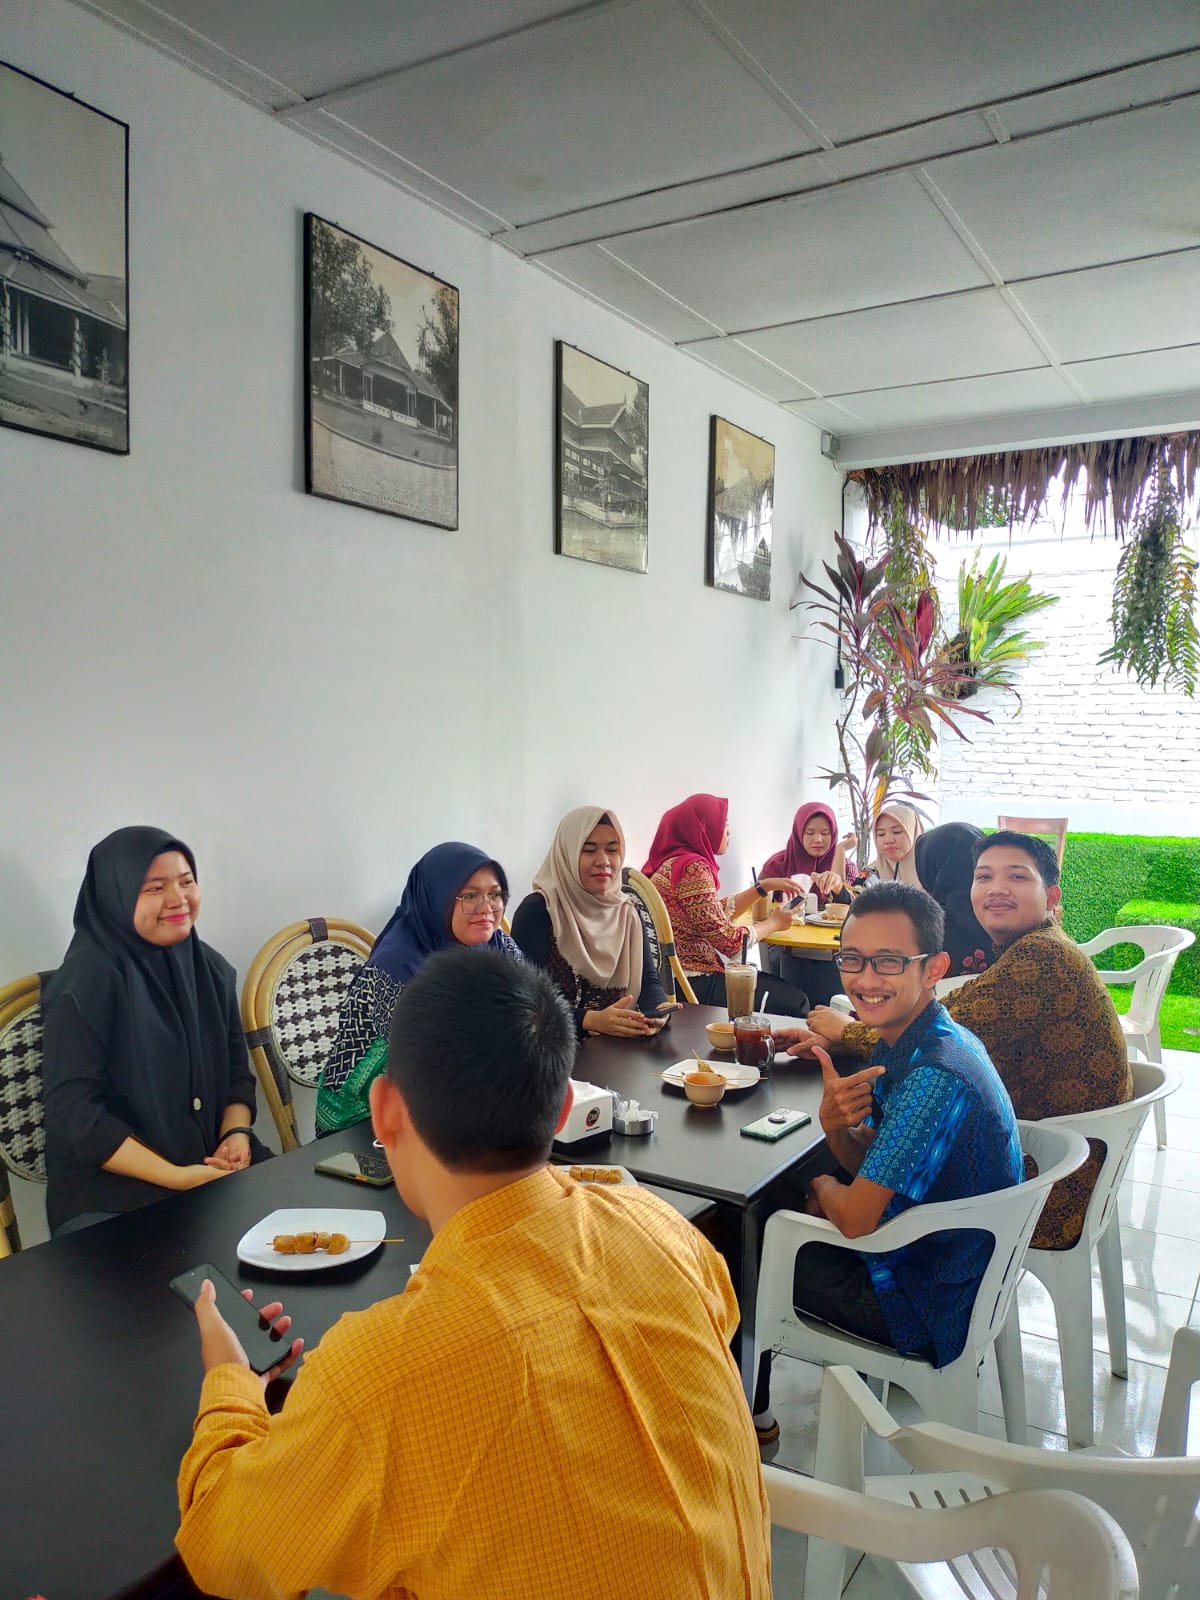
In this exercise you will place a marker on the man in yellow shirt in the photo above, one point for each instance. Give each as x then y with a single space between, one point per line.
550 1408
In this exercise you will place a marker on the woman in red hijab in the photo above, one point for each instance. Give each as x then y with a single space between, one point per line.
812 852
683 866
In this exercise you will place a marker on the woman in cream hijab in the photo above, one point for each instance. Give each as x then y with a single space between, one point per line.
897 829
587 935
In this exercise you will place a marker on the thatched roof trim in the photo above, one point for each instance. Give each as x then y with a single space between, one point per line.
957 492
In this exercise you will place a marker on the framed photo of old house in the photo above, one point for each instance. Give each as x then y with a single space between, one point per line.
601 460
381 390
64 266
741 510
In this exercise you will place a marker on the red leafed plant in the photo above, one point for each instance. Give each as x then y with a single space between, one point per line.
897 680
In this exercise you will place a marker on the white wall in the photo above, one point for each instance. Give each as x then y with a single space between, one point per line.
1086 741
313 694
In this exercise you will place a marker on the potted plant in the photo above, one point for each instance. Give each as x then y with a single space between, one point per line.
1154 596
989 647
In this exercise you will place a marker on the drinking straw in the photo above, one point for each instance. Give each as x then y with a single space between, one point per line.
745 945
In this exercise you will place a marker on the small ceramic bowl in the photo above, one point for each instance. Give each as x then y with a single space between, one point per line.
720 1035
704 1088
835 910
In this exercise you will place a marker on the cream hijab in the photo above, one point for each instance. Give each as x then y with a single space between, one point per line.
598 936
904 870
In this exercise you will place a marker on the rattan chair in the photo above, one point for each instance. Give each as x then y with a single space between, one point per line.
290 1003
656 920
22 1143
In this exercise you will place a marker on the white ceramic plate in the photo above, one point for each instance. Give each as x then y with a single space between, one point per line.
606 1166
254 1247
825 922
736 1076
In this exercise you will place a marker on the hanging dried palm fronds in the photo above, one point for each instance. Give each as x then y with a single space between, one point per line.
963 492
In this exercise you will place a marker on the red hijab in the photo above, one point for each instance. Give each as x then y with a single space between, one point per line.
794 857
690 831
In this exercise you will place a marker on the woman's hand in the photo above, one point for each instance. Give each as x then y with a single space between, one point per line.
828 1023
828 882
784 885
778 922
619 1020
232 1154
193 1177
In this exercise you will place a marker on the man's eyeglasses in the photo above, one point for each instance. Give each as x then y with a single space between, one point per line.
886 966
474 898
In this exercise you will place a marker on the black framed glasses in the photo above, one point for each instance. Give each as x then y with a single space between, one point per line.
886 966
473 899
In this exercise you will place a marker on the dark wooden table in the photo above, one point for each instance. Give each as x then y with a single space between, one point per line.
700 1151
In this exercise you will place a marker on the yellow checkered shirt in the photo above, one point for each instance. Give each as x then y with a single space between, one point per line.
549 1411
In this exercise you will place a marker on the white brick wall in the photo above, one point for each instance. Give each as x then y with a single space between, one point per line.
1086 742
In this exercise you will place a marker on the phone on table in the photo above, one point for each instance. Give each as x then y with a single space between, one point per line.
775 1124
263 1346
358 1168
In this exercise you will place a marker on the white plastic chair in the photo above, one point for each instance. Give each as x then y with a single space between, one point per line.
950 1393
1149 979
1052 1536
949 985
1067 1273
1154 1500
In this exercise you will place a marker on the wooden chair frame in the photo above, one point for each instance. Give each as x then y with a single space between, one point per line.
1056 827
648 894
258 998
16 999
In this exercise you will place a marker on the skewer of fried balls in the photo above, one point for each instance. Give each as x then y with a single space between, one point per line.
306 1244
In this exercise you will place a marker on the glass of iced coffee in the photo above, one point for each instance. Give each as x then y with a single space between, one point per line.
740 980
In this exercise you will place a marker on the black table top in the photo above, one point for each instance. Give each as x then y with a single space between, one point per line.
698 1149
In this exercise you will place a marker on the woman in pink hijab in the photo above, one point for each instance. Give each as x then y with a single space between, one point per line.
683 867
812 852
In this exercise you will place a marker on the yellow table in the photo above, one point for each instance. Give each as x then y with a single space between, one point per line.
802 937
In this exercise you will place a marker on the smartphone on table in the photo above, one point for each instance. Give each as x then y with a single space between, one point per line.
263 1346
776 1124
358 1167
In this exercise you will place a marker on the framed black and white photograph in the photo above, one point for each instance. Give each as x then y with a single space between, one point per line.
741 508
64 266
602 449
381 354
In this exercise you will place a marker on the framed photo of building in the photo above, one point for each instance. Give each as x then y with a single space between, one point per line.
381 397
741 509
64 266
601 459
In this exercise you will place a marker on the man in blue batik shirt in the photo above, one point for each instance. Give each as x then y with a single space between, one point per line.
929 1120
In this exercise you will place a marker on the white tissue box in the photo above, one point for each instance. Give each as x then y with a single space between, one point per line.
589 1116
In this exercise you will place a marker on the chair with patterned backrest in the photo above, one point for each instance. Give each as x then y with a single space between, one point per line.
22 1145
290 1003
1051 827
656 920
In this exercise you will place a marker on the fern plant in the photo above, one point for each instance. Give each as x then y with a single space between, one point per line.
1154 597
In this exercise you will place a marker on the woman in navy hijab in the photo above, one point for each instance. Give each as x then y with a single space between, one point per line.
455 894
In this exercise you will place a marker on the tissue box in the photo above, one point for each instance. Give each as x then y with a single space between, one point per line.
590 1115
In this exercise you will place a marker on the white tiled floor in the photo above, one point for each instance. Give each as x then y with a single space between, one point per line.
1160 1234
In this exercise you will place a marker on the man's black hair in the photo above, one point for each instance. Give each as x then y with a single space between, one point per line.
921 909
1043 857
481 1048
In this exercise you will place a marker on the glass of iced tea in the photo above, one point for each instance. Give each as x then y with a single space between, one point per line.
752 1042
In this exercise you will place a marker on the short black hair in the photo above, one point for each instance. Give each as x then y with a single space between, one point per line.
481 1049
1044 859
922 910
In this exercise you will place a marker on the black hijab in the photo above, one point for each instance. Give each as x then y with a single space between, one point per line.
945 859
164 1013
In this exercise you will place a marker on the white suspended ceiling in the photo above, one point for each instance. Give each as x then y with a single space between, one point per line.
926 226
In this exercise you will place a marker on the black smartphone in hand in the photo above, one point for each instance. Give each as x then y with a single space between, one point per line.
263 1346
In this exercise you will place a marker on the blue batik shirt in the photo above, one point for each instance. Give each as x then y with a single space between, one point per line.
945 1130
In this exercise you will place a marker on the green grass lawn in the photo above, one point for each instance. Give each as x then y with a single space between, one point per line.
1179 1013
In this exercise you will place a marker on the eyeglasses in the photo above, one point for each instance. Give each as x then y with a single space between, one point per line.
885 966
474 898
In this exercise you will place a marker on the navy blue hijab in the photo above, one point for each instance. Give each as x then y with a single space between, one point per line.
420 924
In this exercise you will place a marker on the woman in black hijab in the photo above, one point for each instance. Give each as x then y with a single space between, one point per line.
945 860
147 1084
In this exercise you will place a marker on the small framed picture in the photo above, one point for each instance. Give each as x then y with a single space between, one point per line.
381 401
64 266
741 508
601 459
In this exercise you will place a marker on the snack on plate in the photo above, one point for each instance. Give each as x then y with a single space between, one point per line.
306 1244
595 1174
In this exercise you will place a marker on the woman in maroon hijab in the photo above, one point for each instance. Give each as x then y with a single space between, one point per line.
683 867
812 852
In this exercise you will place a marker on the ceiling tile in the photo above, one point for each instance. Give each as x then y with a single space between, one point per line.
862 66
956 336
1107 191
787 260
733 359
962 397
1136 305
592 269
582 112
827 414
1153 372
